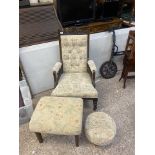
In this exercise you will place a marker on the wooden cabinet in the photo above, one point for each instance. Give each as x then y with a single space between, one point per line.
95 27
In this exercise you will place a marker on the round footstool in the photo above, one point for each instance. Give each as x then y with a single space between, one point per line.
100 128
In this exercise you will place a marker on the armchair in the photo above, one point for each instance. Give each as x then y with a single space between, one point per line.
74 75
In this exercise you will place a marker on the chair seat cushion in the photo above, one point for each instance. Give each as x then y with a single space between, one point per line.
100 128
75 85
57 115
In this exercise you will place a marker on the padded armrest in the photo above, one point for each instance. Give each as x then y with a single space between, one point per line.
56 72
92 66
57 67
92 70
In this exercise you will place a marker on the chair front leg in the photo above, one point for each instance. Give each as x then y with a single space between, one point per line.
55 79
77 140
95 100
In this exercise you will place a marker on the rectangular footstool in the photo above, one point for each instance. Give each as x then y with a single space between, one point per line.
57 115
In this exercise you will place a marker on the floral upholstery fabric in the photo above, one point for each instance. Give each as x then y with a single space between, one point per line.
100 128
74 53
92 65
57 115
57 67
75 85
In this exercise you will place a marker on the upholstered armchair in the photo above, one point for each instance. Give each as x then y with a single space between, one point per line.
74 75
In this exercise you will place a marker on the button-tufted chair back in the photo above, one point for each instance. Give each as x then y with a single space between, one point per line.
74 53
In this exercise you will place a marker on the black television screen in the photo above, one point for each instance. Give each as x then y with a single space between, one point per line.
110 9
75 11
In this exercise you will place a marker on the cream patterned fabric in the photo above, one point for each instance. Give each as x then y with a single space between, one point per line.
75 85
92 65
57 67
100 128
57 115
74 53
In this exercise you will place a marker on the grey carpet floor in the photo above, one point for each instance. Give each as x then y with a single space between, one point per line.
119 103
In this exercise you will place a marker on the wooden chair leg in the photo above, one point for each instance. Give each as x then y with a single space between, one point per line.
124 85
95 103
39 137
77 140
120 78
122 75
125 78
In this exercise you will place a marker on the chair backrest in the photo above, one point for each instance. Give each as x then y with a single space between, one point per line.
130 46
74 51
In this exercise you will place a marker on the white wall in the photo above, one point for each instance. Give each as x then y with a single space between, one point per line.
38 60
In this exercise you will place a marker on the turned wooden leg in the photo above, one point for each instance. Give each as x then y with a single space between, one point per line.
120 78
124 82
95 103
77 140
122 75
39 137
125 78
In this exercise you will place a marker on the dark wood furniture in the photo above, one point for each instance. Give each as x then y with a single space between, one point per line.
95 27
128 24
129 58
38 24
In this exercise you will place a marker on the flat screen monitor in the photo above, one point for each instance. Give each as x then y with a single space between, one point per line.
110 9
75 11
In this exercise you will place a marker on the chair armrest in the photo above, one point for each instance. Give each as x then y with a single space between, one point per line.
92 66
57 67
92 70
57 70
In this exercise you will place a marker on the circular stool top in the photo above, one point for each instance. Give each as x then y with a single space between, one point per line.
100 128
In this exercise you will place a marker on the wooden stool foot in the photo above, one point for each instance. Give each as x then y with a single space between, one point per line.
95 104
39 137
77 140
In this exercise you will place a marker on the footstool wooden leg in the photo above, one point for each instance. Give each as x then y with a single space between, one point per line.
95 103
39 137
77 140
